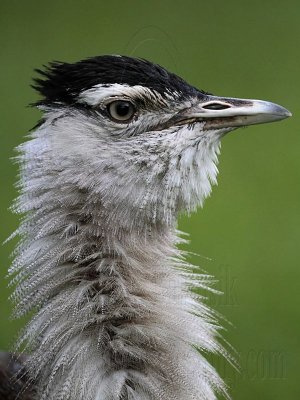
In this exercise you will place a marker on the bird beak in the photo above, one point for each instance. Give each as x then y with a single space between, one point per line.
226 112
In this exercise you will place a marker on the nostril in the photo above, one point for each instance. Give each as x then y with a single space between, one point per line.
216 106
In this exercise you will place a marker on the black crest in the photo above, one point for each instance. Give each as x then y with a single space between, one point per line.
63 82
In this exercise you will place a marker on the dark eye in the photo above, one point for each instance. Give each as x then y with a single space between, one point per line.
121 110
216 106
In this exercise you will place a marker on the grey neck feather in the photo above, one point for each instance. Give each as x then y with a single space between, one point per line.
98 261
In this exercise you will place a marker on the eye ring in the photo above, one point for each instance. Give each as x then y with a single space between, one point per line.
121 110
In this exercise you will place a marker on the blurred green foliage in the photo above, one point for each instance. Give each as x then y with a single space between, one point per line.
247 235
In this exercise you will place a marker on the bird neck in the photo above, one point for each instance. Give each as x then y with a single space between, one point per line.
115 318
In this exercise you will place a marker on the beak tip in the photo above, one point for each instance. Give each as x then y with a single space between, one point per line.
274 111
288 114
283 111
284 114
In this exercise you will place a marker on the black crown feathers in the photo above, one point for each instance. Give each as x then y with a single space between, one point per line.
61 83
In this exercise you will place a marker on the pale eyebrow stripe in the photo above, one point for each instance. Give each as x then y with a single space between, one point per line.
97 94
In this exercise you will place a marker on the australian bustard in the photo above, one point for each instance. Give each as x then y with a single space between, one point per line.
123 147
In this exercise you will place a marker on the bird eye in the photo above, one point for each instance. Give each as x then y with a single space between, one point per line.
216 106
121 110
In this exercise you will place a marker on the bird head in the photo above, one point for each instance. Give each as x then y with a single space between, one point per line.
136 138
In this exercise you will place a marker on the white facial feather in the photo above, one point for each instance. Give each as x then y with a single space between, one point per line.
115 319
101 92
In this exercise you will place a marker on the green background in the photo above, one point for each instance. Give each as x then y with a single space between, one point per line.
247 235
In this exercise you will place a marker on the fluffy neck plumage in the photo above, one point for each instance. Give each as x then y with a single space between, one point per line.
115 317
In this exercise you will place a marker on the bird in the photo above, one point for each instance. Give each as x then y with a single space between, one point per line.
116 310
